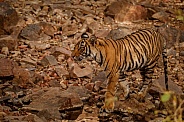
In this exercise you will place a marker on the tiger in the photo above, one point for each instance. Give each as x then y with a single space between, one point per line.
138 51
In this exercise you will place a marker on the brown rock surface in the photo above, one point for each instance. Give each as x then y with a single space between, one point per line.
8 18
6 68
8 41
57 102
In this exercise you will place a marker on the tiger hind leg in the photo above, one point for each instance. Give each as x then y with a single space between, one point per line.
147 82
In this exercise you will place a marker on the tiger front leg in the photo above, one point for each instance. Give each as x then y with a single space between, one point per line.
124 90
109 95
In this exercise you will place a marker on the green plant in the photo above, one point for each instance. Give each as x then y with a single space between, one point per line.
173 107
180 15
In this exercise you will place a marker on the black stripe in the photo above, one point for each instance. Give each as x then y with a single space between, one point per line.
101 57
106 65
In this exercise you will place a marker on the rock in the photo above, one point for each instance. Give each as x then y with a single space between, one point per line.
115 7
31 32
44 37
171 33
118 33
15 53
8 41
81 91
123 11
49 60
32 118
6 68
48 28
132 106
5 51
93 27
89 86
53 101
8 18
22 77
56 51
69 29
101 76
39 45
108 20
102 33
28 60
81 72
63 84
2 115
97 85
158 119
134 13
162 16
13 118
159 86
61 71
181 53
10 70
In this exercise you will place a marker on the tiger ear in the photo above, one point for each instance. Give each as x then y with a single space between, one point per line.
84 36
93 40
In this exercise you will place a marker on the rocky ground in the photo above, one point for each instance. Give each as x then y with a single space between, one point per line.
40 82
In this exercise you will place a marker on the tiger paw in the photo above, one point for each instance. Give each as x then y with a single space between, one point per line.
104 112
106 109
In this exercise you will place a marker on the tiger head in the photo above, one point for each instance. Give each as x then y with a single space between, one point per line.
86 47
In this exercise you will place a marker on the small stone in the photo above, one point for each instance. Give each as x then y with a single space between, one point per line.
97 85
181 53
61 58
89 86
89 109
5 50
171 52
15 53
49 60
2 115
63 84
108 20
